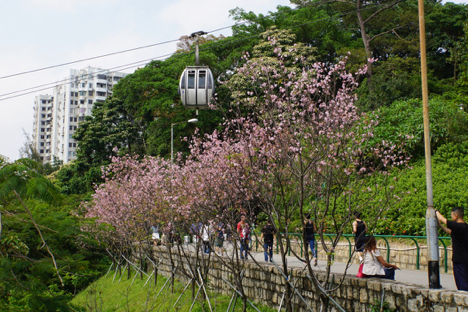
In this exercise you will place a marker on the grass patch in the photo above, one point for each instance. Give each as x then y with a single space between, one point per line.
107 295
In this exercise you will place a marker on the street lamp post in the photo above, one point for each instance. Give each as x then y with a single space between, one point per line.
194 120
431 220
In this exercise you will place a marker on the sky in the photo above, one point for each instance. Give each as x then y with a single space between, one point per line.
43 33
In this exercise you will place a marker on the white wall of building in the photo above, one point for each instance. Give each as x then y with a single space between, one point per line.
72 102
42 126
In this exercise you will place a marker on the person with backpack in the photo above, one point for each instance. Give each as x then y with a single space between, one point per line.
268 235
359 231
309 231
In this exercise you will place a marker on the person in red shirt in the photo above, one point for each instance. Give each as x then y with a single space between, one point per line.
243 230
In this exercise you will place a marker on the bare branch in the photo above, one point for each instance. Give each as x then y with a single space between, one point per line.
42 238
382 9
388 31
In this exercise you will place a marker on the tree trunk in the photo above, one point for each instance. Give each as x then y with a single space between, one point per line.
365 40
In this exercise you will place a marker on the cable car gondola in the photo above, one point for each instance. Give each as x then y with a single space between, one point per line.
196 87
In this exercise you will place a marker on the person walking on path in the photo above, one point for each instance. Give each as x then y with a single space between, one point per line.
374 263
458 230
268 236
243 230
309 236
206 238
219 240
359 231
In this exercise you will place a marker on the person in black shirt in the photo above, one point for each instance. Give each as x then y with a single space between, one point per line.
359 231
268 235
458 230
309 236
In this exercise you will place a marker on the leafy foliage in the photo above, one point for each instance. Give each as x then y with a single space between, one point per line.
403 122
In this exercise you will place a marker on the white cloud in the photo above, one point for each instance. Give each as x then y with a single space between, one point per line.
191 16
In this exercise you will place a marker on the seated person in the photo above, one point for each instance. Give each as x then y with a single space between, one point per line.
374 264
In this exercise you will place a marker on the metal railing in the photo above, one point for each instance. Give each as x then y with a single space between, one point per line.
386 238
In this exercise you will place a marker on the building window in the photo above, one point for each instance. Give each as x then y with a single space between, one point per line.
43 115
43 101
116 78
90 101
82 93
42 143
43 108
83 84
71 102
90 93
42 137
101 93
42 130
102 77
70 145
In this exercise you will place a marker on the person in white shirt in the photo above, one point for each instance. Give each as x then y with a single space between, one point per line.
374 263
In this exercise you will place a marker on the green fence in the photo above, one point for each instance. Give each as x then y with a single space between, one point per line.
350 237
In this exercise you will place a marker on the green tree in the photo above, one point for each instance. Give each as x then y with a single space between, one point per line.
403 122
44 255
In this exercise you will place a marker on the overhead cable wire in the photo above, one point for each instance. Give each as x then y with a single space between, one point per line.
88 59
152 45
53 84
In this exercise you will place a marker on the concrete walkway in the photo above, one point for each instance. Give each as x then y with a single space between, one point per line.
413 277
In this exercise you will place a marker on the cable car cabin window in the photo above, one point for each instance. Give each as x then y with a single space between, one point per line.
191 80
201 79
210 83
182 84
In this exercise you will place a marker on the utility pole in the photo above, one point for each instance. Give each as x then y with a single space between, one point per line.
431 220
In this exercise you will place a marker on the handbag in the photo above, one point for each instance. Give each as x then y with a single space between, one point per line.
359 273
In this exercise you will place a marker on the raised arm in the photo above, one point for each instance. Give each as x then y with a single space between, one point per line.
440 217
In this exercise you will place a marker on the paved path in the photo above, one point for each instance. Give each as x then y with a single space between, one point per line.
415 277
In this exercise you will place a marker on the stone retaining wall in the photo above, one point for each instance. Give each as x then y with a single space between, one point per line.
266 287
402 254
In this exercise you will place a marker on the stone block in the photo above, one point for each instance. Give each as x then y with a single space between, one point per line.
374 285
461 299
439 308
446 296
412 305
363 296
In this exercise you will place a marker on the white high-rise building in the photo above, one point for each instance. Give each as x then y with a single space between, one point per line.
72 102
42 126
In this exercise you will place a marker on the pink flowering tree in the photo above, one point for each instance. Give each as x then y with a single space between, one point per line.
307 151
